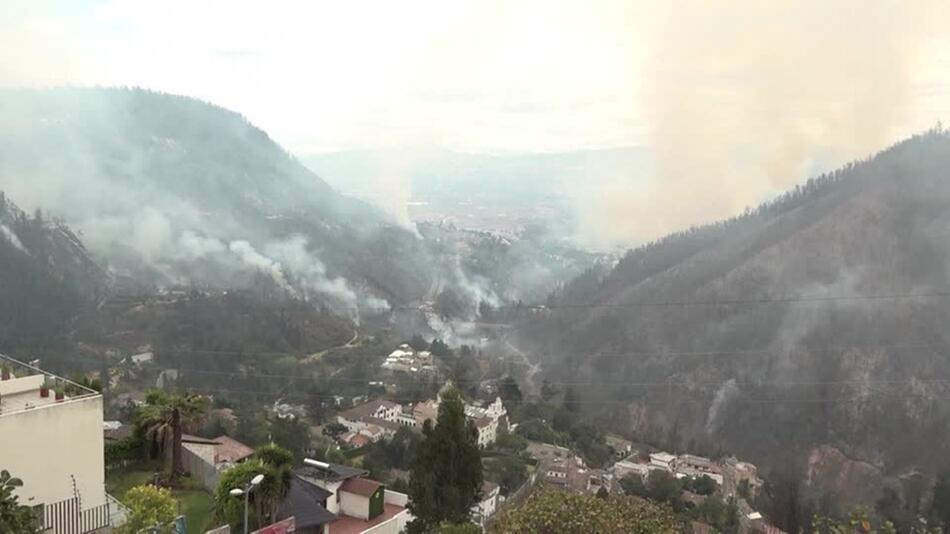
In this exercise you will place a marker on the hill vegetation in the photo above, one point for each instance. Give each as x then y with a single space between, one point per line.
780 331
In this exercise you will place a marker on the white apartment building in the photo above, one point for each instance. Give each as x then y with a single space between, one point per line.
53 441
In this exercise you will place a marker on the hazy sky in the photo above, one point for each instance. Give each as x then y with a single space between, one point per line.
736 99
475 76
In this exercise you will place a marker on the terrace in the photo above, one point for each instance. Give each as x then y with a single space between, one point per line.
25 387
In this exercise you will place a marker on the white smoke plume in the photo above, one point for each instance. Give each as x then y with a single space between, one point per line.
728 391
252 258
743 96
12 238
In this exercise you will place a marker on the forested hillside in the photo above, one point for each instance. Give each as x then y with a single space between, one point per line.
46 281
816 319
168 190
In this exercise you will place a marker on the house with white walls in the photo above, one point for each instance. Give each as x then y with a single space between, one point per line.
51 437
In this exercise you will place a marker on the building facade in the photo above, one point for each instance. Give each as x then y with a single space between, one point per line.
55 445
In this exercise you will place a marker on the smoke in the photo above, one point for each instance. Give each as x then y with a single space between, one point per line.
742 96
12 238
311 275
728 391
192 246
250 257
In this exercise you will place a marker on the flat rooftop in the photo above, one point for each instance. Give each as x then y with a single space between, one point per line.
351 525
21 391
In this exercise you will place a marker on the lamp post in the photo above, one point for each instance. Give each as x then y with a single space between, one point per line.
246 491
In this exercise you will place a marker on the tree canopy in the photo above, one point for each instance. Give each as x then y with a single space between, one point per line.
550 512
149 507
14 517
446 474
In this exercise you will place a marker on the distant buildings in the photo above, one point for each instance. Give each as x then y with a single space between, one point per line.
488 419
51 437
663 460
406 360
560 467
375 420
728 473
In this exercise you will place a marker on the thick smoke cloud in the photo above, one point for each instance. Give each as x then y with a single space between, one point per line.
745 98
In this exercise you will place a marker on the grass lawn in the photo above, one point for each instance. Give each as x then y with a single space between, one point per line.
195 504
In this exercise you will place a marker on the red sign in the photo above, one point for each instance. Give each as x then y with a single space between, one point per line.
287 526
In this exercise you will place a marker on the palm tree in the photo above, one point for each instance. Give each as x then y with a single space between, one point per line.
164 417
277 478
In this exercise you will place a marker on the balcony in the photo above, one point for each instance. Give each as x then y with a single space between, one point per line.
24 387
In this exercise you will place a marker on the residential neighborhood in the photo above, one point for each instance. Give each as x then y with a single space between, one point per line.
348 494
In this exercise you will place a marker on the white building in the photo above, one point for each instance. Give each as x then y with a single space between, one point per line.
626 468
330 499
663 460
487 430
486 507
406 360
378 419
55 447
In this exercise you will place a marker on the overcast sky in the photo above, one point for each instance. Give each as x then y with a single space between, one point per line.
474 76
736 100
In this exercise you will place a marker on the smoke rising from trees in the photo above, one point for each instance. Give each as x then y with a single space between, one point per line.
743 99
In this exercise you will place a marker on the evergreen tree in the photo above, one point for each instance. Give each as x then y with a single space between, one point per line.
940 508
446 471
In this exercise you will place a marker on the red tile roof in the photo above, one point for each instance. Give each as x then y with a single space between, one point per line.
230 450
360 486
188 438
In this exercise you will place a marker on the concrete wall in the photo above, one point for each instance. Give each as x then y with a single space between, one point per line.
45 445
396 525
198 460
333 501
394 497
354 505
19 385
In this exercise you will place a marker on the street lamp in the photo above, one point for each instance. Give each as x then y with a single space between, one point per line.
246 491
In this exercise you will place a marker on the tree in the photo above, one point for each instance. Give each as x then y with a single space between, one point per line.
663 486
14 517
702 485
940 507
278 475
508 472
446 474
457 528
714 511
418 343
162 420
509 391
633 485
334 430
275 464
292 434
149 507
550 512
441 349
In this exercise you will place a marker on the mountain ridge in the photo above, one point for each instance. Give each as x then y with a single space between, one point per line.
748 369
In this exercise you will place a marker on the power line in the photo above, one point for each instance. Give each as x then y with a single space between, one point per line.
671 303
806 400
666 383
599 355
719 302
